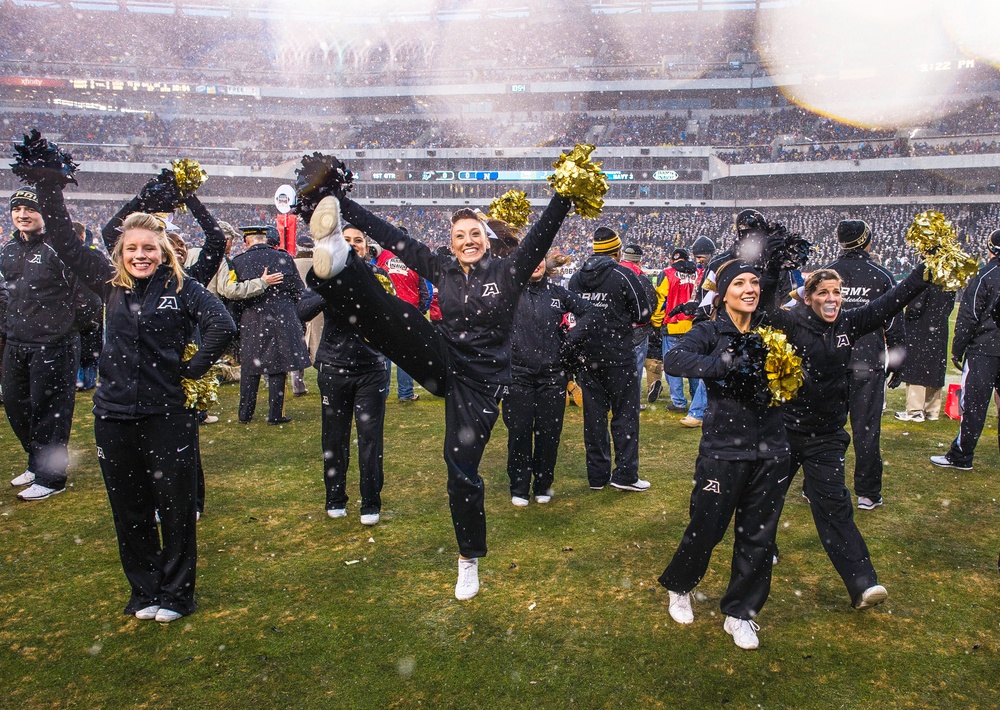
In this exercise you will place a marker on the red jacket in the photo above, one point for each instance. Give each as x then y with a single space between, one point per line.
406 281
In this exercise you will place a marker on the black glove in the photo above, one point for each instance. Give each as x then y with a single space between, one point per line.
571 359
40 163
161 194
320 176
688 308
895 379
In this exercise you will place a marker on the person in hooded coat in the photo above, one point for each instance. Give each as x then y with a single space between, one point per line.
926 362
271 340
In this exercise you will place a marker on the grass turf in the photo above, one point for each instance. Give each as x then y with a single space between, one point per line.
297 610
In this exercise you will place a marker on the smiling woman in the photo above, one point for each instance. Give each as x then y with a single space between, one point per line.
146 436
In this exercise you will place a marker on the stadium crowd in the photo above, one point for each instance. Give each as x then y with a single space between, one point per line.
129 136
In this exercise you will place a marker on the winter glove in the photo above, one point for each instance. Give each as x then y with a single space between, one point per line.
688 308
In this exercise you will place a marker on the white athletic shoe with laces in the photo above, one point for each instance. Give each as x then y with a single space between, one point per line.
331 250
37 492
468 579
872 597
25 479
147 614
370 519
744 632
680 608
519 502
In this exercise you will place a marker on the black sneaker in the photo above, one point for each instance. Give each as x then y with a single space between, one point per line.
946 462
654 391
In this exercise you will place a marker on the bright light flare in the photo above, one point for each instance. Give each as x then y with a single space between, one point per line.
863 62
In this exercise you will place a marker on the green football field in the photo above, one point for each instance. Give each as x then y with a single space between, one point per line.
298 610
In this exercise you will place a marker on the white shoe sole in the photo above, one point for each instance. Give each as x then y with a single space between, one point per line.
637 487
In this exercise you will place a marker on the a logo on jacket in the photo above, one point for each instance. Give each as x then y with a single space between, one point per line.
712 487
490 289
556 304
100 452
35 259
168 303
843 341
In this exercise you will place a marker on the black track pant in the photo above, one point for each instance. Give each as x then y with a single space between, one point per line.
249 384
39 393
401 333
867 398
753 490
149 465
534 418
360 398
822 462
980 377
614 389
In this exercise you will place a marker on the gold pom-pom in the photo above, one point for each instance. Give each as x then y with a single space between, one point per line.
386 283
203 392
580 180
513 208
783 366
189 176
934 237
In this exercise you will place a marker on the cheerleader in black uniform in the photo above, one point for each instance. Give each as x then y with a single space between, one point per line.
466 358
536 401
146 437
742 460
823 335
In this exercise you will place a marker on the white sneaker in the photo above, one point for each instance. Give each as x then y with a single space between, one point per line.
25 479
545 497
906 417
370 519
331 250
946 462
866 503
872 597
744 632
210 419
519 502
680 608
468 579
337 512
637 485
37 492
147 614
165 616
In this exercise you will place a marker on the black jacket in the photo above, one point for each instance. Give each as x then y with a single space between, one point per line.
537 336
272 339
147 328
477 308
731 430
46 302
926 317
211 254
340 346
620 300
864 281
820 407
976 333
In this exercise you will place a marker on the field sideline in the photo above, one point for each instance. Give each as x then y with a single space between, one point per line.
297 610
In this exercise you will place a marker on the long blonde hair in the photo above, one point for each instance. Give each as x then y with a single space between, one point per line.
141 220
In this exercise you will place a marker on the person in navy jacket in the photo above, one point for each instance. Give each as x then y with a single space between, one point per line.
146 435
535 404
